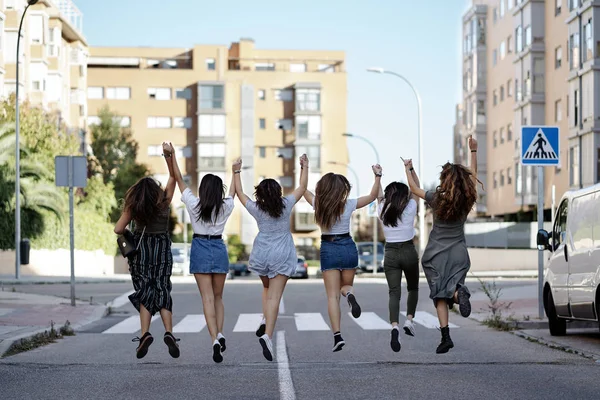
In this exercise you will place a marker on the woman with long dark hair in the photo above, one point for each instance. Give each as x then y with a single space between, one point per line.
273 256
339 255
209 261
147 206
446 258
397 211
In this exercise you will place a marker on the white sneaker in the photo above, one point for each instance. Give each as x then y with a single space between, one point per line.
409 328
267 346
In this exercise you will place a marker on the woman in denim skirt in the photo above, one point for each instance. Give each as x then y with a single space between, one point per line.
339 256
209 261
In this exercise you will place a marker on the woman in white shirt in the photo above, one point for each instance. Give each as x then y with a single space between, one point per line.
397 211
209 261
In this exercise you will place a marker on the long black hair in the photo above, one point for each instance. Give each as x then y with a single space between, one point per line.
396 197
268 197
211 193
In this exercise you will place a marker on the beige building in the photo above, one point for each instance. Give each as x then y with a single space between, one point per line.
217 103
530 62
52 59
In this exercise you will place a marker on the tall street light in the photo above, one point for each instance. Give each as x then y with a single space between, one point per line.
420 136
18 156
375 218
353 173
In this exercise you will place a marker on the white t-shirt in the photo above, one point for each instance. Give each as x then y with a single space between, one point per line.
343 224
200 227
405 230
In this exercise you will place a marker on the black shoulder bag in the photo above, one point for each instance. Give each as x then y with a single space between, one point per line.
126 243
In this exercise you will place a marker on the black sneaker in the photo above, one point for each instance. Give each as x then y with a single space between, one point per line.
171 343
395 342
261 329
464 304
267 347
446 344
222 343
145 342
353 305
217 356
338 342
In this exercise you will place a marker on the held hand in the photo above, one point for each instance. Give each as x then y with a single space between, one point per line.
472 143
167 149
377 169
407 163
304 161
237 165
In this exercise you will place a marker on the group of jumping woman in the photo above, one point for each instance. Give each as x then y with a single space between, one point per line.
445 260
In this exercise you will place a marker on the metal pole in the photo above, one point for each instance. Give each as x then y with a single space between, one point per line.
540 216
71 231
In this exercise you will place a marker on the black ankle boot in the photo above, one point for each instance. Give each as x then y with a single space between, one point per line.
446 343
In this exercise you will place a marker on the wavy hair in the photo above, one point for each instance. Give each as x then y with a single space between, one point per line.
268 197
211 193
331 194
457 193
396 197
145 200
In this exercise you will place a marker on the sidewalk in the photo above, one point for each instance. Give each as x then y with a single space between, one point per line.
24 315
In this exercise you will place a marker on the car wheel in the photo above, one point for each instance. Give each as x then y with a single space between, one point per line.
557 326
237 273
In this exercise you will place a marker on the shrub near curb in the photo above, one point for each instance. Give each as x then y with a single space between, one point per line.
40 339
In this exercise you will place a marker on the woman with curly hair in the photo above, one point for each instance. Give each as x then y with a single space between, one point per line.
446 258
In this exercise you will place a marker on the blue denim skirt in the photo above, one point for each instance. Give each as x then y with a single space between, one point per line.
339 254
209 257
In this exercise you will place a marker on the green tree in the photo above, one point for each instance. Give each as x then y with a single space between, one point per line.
236 249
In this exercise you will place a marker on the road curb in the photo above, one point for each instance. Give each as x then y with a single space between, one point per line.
557 346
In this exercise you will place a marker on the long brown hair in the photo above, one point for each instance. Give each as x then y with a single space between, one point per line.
145 200
268 197
456 194
396 198
331 194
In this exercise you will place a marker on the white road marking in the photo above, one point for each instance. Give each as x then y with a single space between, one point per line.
429 321
247 323
191 323
370 321
286 385
128 325
120 301
310 322
281 306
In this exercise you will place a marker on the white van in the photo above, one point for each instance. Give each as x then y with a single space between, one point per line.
572 275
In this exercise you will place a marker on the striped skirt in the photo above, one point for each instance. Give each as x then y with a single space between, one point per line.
150 270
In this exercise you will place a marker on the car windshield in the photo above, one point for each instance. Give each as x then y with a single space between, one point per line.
367 248
177 252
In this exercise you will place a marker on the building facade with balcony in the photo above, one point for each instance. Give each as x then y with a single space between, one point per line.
217 103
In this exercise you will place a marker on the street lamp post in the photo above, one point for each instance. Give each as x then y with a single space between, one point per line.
353 173
419 128
375 218
18 156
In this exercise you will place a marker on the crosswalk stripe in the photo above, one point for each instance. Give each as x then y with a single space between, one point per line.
427 320
247 323
370 321
191 323
310 322
128 325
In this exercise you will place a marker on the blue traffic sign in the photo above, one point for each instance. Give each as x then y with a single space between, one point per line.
540 145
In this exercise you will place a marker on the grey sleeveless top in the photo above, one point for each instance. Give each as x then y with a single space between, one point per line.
158 224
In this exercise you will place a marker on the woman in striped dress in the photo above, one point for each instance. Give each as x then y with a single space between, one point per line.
147 206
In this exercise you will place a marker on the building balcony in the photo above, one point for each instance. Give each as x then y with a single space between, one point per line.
69 13
286 65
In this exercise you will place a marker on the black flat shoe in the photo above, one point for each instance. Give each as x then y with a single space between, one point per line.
145 342
171 343
354 305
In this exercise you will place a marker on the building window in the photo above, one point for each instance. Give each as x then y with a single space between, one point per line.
501 178
502 8
481 112
210 64
93 120
283 95
124 122
495 97
575 108
495 178
509 132
518 90
328 68
36 29
182 122
588 51
211 125
519 39
308 99
264 67
509 44
510 4
185 94
494 57
502 50
262 123
286 181
518 179
118 93
508 176
517 144
297 67
502 135
495 139
528 36
313 153
284 124
95 92
495 14
573 4
558 7
159 93
158 122
308 127
527 84
155 150
212 97
574 166
262 152
574 50
501 93
211 155
557 111
509 88
261 94
558 57
538 75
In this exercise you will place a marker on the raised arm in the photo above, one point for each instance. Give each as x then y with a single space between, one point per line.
300 190
473 146
232 186
177 173
122 223
169 155
380 194
413 180
366 200
237 170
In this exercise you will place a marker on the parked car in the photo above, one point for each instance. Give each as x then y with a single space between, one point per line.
365 256
239 268
301 269
572 275
180 260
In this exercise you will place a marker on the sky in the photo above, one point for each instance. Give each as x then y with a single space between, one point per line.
419 39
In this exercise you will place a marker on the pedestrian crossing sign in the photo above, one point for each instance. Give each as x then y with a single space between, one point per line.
540 146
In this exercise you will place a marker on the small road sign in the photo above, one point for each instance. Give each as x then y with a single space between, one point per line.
540 145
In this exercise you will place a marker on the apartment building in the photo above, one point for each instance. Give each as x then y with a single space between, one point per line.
52 59
541 58
216 103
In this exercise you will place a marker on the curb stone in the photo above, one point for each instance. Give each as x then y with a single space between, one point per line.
553 345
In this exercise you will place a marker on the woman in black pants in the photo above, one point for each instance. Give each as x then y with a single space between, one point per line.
397 210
